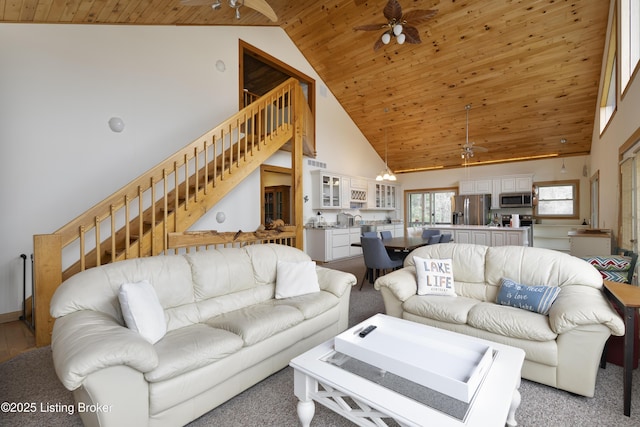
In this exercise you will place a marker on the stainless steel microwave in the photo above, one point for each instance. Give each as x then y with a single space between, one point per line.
516 200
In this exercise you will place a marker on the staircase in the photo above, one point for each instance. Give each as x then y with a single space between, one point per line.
136 220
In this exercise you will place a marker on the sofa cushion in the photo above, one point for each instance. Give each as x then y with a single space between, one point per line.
142 311
296 278
533 298
311 305
220 272
445 309
510 322
435 276
192 347
258 322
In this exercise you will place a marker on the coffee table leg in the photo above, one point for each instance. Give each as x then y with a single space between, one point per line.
306 410
515 403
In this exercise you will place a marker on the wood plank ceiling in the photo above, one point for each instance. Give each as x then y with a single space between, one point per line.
529 69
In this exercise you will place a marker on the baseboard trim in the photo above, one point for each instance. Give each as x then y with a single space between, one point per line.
10 317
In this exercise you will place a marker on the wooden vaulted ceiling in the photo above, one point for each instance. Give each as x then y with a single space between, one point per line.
530 69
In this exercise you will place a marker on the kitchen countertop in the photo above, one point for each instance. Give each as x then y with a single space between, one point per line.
476 227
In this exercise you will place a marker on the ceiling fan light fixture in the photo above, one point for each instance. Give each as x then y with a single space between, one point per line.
397 29
216 5
386 38
401 38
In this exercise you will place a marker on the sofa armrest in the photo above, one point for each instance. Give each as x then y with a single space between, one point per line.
401 283
583 305
334 281
86 341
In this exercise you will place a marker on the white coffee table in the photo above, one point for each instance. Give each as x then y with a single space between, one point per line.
367 395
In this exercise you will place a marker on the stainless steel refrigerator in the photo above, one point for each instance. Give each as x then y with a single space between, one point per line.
471 209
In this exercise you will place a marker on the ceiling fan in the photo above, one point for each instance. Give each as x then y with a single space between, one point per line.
469 148
258 5
398 25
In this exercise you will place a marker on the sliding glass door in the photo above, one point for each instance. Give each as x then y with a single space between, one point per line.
429 207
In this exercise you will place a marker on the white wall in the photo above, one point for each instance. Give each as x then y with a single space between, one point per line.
605 149
60 84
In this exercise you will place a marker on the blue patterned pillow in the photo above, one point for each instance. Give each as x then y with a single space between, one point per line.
532 298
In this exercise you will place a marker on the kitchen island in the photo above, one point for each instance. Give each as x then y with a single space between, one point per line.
487 235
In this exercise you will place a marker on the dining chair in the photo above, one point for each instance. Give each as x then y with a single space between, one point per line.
428 232
445 238
434 239
376 259
369 234
386 234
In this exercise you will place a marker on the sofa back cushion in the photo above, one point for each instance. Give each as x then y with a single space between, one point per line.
468 266
97 288
538 266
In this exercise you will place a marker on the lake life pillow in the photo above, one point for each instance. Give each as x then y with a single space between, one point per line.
533 298
142 311
296 278
435 276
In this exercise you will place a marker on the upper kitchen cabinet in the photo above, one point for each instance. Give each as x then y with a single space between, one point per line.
516 184
328 192
384 196
477 186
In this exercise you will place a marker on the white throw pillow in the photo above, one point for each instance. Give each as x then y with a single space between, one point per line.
296 278
435 276
142 311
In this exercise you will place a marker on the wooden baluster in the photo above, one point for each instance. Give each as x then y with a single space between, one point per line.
238 143
140 220
112 213
165 207
83 256
127 226
153 216
186 183
98 246
196 172
176 194
222 155
206 168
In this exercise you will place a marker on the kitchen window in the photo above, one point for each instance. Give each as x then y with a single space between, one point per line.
557 199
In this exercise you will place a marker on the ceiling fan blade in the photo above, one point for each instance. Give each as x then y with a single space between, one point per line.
480 149
393 10
370 27
412 35
414 17
196 2
263 7
378 44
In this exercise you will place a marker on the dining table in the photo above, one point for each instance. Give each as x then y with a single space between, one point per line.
402 243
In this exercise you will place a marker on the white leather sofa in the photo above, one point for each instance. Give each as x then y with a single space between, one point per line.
225 331
563 349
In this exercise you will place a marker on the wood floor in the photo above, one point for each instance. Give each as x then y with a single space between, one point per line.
15 338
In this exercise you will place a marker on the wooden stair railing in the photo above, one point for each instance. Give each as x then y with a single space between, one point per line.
136 221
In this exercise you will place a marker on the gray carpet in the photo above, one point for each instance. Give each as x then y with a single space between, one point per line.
30 378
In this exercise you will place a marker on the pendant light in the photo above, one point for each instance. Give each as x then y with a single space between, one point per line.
386 174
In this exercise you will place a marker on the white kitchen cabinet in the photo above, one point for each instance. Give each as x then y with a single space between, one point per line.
496 189
516 183
385 196
590 242
354 237
346 193
477 186
507 237
327 190
318 244
340 243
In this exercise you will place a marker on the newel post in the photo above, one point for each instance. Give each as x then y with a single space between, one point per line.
296 163
47 275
